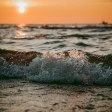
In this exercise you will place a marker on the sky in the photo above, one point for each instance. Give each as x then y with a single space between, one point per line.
55 11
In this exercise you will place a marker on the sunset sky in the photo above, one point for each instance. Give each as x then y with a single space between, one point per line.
55 11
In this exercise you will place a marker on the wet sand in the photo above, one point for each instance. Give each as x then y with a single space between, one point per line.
24 96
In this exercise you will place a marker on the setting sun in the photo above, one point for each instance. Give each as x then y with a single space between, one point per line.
22 7
55 11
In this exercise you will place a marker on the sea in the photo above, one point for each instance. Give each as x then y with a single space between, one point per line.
69 53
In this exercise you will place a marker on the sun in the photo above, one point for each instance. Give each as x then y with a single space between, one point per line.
22 7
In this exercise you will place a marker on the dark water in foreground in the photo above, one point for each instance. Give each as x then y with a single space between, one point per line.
61 62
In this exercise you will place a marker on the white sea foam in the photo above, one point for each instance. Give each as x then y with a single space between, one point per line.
59 70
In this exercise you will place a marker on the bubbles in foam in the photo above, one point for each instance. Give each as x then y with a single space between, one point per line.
73 68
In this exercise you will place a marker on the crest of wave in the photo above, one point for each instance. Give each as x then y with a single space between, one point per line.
65 67
70 68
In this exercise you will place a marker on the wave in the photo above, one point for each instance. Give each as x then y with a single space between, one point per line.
58 26
82 36
70 67
83 44
106 38
78 27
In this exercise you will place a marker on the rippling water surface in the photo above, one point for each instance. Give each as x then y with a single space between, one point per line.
96 39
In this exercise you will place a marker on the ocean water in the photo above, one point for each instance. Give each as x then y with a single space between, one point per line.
70 54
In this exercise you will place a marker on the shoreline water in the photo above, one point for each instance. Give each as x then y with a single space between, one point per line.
22 96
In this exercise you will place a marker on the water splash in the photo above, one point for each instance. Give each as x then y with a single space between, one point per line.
71 68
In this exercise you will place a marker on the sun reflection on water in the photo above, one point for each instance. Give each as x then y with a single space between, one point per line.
20 32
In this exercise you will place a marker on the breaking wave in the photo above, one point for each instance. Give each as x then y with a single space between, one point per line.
70 67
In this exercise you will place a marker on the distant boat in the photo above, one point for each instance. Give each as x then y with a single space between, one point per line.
104 23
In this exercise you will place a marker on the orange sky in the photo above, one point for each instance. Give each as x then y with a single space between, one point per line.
56 11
